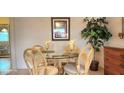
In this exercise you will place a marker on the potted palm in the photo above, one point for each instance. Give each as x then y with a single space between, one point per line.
96 33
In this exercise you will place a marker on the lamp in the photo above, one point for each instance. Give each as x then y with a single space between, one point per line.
72 45
47 44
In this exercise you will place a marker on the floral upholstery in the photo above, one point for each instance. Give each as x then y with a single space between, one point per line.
71 69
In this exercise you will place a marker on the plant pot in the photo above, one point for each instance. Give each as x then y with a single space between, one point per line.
94 65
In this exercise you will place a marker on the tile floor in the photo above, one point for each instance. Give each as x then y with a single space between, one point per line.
5 65
25 72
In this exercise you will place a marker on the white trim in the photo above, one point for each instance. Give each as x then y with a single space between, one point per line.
12 43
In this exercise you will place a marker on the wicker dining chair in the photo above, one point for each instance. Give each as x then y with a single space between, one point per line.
36 62
49 61
29 60
40 63
39 47
84 60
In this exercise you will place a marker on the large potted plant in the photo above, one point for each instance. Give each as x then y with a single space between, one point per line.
96 33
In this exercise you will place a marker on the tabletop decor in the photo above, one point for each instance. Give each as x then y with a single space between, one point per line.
47 44
60 28
72 45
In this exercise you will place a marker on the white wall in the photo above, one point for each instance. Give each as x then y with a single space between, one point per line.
32 31
115 27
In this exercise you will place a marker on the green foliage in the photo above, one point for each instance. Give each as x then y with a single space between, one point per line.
96 31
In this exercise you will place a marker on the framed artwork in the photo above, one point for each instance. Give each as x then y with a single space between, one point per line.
60 28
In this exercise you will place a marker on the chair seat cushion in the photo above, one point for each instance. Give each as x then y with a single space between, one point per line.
71 69
50 70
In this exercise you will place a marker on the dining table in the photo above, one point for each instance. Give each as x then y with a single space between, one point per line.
61 59
48 52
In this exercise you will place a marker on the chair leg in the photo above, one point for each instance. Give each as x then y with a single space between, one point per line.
64 73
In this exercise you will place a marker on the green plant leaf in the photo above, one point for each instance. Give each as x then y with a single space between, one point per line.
96 31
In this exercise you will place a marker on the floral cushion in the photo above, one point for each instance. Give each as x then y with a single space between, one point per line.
71 69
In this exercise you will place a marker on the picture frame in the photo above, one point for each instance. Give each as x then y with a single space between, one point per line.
60 27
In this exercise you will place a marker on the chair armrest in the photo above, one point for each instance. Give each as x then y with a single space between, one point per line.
78 68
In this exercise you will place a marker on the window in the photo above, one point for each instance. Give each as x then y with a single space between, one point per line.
4 36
